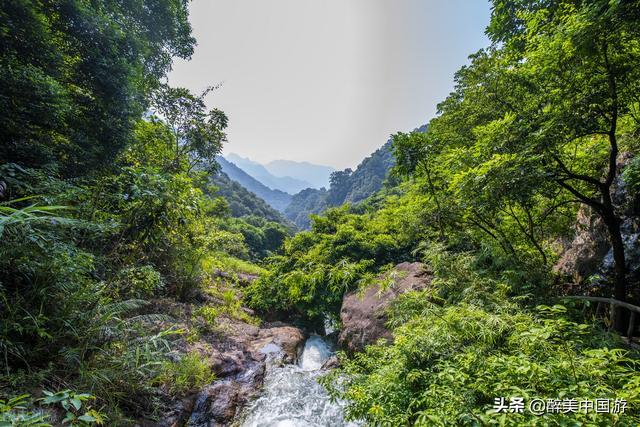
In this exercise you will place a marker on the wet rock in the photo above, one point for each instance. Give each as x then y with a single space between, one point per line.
226 364
218 403
174 417
286 339
363 314
239 362
215 405
331 363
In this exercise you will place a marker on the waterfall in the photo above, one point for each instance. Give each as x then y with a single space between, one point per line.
293 397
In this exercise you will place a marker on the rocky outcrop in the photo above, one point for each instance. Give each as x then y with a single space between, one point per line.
588 259
363 313
242 372
238 357
217 404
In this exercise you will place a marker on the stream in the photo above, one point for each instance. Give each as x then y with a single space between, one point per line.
292 395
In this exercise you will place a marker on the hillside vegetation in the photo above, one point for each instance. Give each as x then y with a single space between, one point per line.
532 133
346 186
105 208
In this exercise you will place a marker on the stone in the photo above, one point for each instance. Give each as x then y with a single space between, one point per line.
363 314
288 338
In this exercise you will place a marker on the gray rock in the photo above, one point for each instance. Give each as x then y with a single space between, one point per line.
363 314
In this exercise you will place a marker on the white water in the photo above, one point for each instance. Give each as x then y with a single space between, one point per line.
293 397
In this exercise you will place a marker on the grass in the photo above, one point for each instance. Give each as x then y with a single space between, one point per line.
229 264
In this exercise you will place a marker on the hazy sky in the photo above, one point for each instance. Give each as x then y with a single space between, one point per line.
327 81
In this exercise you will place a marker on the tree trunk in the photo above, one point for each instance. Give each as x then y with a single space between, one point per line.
620 270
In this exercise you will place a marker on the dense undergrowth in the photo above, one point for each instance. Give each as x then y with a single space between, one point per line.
464 342
106 208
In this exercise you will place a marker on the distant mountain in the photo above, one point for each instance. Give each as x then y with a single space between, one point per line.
277 199
243 202
316 175
256 170
346 186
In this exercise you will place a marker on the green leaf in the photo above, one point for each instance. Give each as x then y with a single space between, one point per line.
76 403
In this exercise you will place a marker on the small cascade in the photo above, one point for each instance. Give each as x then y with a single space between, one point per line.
293 397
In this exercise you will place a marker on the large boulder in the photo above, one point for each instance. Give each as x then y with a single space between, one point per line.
238 357
363 314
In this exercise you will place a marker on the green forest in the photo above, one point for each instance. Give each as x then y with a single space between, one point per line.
125 255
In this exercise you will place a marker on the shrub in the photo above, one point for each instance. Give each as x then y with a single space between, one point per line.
461 343
139 282
188 374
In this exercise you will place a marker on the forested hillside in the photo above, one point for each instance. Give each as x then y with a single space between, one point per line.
241 201
112 240
277 199
346 186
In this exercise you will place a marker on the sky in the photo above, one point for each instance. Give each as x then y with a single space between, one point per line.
327 81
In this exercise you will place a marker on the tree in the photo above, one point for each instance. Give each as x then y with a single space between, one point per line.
537 118
579 68
339 181
198 134
75 76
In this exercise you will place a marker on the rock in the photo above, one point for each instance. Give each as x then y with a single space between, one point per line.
585 253
363 315
286 339
331 363
226 364
218 403
175 417
239 362
215 405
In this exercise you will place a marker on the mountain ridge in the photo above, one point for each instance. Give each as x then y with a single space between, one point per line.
259 172
277 199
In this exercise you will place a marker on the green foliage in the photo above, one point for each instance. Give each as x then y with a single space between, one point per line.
342 252
534 127
631 174
461 343
74 76
346 187
261 236
123 213
197 134
186 375
242 202
14 413
139 282
78 411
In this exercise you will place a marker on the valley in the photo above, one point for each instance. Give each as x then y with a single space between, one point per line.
481 269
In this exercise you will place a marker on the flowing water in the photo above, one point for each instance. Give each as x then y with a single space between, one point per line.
293 397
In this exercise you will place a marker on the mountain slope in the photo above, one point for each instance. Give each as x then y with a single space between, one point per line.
277 199
259 172
316 175
243 202
347 186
